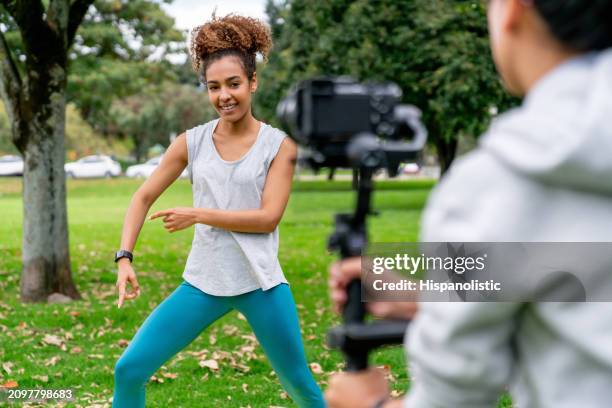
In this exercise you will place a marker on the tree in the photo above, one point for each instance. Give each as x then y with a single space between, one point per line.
148 118
35 49
36 103
119 52
436 51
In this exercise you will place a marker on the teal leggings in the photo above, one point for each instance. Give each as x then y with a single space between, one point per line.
183 315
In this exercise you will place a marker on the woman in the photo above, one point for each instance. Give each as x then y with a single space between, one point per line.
241 171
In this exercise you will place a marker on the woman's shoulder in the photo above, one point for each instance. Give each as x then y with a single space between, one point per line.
272 135
201 128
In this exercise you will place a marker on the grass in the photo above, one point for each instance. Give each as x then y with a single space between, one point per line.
92 333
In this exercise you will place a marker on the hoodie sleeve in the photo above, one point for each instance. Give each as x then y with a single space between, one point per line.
461 353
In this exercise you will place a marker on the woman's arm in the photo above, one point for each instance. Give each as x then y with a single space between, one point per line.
264 219
173 163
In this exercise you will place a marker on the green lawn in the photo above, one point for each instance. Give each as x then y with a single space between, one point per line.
93 332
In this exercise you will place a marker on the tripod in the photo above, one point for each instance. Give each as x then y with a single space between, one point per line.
355 338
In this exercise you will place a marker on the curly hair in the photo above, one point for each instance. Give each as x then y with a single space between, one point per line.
234 35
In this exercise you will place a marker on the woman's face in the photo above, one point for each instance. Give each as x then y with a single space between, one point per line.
229 89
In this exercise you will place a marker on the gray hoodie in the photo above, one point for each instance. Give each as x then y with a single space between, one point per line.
543 172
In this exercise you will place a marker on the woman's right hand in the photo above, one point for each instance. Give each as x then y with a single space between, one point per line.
126 274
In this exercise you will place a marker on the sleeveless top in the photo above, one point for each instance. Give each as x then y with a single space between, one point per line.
222 262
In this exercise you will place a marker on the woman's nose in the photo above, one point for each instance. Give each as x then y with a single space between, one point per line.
224 95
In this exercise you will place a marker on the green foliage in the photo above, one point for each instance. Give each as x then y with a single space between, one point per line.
81 138
151 116
436 51
118 52
6 145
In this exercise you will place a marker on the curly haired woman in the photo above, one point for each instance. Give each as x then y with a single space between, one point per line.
241 171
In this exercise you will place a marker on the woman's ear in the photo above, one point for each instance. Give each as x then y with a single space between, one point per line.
253 82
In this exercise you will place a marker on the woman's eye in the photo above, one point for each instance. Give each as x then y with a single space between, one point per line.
235 85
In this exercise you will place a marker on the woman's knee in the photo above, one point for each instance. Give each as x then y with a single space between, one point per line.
130 371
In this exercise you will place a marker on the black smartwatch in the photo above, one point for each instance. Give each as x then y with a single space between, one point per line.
122 253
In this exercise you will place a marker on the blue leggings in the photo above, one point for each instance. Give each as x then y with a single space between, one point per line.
183 315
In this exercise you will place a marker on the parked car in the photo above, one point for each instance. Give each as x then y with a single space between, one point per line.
93 166
11 165
410 168
145 170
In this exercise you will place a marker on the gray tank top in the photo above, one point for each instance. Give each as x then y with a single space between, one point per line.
222 262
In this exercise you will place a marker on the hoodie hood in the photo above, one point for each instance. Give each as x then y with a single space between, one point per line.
562 133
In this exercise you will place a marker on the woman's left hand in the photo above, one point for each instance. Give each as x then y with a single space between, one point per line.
176 219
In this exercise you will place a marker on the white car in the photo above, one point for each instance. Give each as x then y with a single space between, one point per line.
145 170
93 166
410 168
11 165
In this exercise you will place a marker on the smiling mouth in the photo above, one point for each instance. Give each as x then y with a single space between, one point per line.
227 108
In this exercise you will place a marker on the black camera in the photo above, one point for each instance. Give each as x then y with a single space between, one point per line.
348 124
325 114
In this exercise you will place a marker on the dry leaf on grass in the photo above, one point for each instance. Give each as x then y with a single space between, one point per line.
53 340
172 376
316 368
7 367
52 361
212 364
10 384
43 378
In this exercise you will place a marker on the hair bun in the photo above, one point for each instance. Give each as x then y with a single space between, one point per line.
233 31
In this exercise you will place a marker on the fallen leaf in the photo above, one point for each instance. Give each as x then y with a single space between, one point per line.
76 350
43 378
212 364
245 387
316 368
123 343
10 384
157 379
170 375
52 361
7 367
53 340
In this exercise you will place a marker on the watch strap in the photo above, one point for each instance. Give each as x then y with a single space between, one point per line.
122 253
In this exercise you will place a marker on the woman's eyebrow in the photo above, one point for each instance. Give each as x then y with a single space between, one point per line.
232 78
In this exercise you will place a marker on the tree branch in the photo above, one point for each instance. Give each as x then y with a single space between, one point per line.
28 14
11 90
75 18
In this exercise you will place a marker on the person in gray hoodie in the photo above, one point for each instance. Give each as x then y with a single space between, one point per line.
542 172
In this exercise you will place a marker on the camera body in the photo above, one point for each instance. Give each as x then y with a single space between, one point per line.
326 114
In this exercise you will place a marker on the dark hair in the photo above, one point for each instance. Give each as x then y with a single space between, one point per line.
580 25
232 35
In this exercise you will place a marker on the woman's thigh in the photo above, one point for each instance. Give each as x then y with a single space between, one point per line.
273 317
174 323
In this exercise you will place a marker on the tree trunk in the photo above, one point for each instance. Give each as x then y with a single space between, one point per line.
446 153
46 258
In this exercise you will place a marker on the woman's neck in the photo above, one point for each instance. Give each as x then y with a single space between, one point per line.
247 124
